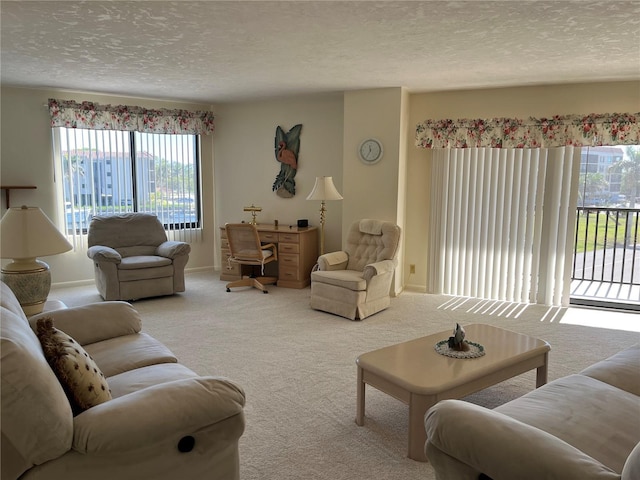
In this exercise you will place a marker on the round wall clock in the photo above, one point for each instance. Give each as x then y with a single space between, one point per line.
370 151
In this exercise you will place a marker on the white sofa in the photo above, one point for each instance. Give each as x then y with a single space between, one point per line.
163 422
580 427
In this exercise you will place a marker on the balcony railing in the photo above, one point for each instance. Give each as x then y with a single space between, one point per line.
607 254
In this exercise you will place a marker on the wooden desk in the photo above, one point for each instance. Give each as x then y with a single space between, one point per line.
297 254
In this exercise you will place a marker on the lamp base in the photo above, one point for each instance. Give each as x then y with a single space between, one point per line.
30 281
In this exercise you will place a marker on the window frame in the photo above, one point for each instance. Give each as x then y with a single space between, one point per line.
132 201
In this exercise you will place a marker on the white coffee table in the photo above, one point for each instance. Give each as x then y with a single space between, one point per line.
414 373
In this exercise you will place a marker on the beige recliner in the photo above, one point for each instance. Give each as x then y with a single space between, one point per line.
133 259
355 282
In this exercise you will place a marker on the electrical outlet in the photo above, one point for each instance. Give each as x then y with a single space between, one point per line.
412 268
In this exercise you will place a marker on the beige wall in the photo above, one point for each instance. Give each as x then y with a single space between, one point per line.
373 191
241 153
504 102
246 167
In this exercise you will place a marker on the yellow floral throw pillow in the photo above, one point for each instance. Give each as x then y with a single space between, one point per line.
82 380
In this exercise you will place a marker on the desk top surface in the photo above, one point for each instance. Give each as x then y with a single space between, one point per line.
269 227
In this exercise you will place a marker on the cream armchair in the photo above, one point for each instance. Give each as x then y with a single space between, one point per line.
133 259
355 282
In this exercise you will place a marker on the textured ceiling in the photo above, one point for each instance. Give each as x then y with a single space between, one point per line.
215 51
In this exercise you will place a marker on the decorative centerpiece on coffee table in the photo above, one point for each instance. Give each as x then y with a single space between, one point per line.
456 346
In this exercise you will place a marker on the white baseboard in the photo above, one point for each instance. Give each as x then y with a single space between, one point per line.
416 288
74 283
201 269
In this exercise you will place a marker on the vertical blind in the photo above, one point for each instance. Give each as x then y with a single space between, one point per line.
105 172
500 220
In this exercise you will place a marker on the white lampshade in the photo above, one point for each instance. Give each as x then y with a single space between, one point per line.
27 233
324 189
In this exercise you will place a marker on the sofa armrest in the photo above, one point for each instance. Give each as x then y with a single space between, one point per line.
333 261
172 249
94 322
378 268
100 253
140 420
502 447
631 469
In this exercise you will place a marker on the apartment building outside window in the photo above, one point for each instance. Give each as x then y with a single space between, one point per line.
600 184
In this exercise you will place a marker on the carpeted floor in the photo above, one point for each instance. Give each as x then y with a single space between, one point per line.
297 367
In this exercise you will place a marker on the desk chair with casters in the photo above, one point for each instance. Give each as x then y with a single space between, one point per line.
245 248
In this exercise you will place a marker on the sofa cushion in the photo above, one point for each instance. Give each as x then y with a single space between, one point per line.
128 382
93 323
349 279
9 302
585 413
82 380
128 352
143 261
619 370
37 423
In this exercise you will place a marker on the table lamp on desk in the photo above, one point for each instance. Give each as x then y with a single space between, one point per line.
253 209
323 190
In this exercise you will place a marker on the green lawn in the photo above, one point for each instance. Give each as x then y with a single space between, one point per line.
606 229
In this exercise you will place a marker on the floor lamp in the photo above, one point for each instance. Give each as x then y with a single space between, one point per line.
323 190
27 233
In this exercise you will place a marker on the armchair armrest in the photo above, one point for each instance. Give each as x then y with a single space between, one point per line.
100 253
333 261
378 268
140 420
172 249
272 247
502 447
94 322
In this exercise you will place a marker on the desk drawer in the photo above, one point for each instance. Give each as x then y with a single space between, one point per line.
236 268
292 248
268 237
288 260
288 273
288 238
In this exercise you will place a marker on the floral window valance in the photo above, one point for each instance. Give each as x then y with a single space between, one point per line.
70 114
557 131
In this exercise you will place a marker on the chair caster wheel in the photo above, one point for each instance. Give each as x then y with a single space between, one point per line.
228 289
265 292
